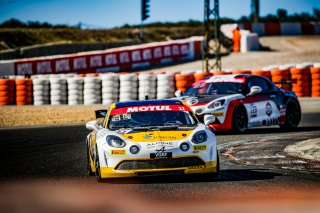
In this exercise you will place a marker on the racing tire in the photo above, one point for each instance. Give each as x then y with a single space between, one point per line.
89 169
239 119
97 167
293 116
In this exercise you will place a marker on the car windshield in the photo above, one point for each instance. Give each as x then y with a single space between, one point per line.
151 119
215 88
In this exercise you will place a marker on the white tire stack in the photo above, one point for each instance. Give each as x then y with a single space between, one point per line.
128 87
41 91
92 90
165 86
147 86
75 90
58 90
110 88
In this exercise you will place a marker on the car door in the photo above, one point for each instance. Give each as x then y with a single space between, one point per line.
262 108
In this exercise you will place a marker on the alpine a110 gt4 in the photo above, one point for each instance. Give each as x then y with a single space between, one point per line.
150 138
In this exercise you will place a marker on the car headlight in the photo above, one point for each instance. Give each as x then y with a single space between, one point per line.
216 104
115 141
199 137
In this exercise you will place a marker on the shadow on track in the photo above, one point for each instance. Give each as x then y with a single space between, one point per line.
225 175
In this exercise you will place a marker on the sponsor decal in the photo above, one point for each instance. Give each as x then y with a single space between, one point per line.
118 152
154 108
161 153
196 167
268 109
224 79
217 114
200 148
161 144
254 111
147 136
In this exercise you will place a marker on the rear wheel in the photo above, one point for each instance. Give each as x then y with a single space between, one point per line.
293 116
239 119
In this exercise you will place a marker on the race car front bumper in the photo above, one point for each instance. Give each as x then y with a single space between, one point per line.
148 167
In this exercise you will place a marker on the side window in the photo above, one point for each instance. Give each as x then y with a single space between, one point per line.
255 81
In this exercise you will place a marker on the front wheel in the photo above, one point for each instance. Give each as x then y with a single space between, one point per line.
239 119
97 166
293 116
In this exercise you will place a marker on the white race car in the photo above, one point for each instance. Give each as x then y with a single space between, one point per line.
243 101
151 137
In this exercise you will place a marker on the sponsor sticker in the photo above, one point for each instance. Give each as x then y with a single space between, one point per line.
268 109
118 152
218 114
200 148
161 153
155 108
196 167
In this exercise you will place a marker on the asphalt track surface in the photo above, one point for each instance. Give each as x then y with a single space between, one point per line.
38 160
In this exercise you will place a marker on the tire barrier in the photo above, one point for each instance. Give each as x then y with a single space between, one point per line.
23 92
165 86
110 88
184 81
7 92
280 74
58 90
302 74
75 90
147 86
315 80
128 87
41 91
200 75
92 90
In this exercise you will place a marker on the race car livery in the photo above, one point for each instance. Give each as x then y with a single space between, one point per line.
243 101
149 138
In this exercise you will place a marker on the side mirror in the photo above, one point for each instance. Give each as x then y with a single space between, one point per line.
255 90
178 93
92 125
209 119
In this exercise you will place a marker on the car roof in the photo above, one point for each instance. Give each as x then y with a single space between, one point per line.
148 102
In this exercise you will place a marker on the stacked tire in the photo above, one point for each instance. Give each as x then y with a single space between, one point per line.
201 75
23 92
184 81
315 80
128 87
58 90
7 92
302 74
41 91
110 88
165 86
241 72
147 86
281 74
75 90
92 90
262 73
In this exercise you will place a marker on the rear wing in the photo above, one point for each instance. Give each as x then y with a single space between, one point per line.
284 81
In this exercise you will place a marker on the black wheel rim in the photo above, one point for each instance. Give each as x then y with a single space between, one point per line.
293 114
241 119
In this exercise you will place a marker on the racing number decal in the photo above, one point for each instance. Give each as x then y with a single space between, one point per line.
254 111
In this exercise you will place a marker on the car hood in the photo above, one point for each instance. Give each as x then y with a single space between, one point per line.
201 100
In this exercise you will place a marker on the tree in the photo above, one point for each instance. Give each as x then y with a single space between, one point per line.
316 14
282 14
13 23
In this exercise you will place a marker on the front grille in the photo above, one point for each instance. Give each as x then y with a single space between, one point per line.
160 163
162 173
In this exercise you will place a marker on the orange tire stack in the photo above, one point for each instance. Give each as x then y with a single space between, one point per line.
263 73
7 94
302 87
241 72
277 75
220 73
315 80
201 75
23 92
184 81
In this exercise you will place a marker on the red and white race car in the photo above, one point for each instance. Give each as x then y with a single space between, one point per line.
243 101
